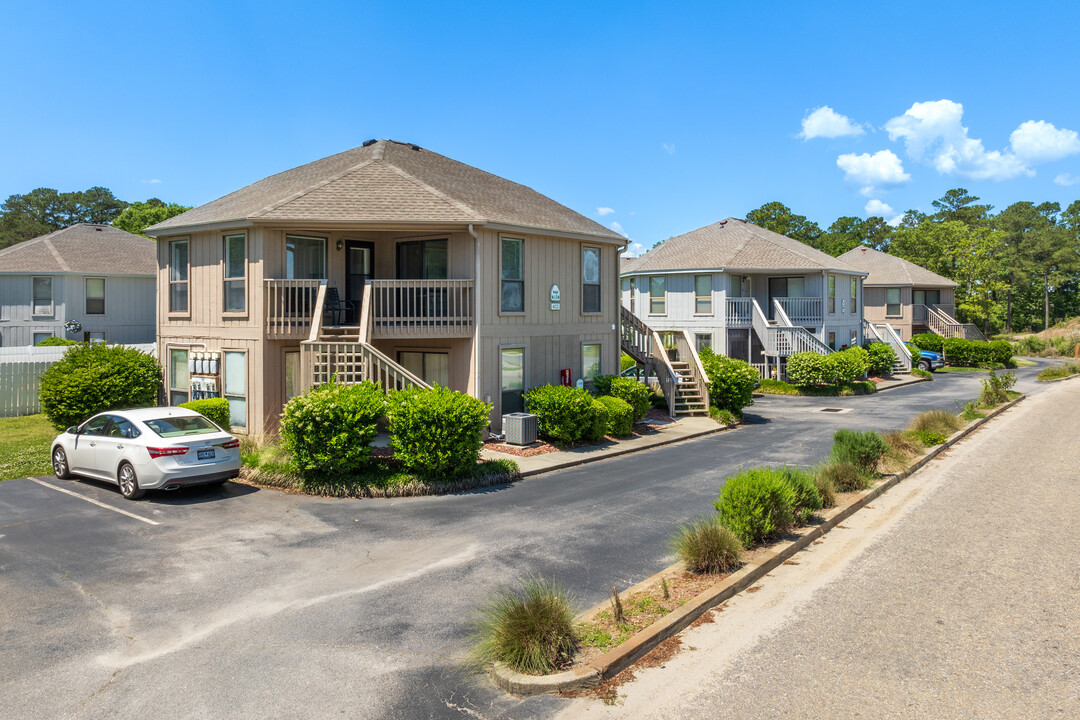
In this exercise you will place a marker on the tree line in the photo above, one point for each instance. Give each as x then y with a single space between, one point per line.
43 210
1017 269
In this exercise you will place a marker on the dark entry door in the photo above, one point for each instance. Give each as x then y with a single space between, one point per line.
778 287
359 268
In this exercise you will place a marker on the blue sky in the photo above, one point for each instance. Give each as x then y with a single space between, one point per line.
671 115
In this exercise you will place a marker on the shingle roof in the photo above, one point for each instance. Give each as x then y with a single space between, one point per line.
885 269
389 182
85 250
733 244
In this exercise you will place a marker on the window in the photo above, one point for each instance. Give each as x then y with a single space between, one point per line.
703 294
512 379
926 297
854 339
235 387
43 304
305 257
854 293
95 296
292 375
235 270
590 361
179 379
892 302
95 337
423 260
633 294
702 341
832 340
38 337
431 367
178 276
832 293
657 296
590 280
513 281
96 426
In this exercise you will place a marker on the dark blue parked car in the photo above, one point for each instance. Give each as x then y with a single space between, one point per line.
925 359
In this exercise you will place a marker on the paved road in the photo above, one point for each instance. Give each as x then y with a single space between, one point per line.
957 595
257 604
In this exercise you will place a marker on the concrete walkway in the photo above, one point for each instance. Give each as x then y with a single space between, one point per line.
955 595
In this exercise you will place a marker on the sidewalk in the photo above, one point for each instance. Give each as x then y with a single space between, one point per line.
666 433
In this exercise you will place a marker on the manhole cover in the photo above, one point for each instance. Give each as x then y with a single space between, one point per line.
832 410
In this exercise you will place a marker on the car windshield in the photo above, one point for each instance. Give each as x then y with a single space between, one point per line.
182 425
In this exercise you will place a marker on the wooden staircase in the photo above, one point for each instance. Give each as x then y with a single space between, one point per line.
685 385
688 393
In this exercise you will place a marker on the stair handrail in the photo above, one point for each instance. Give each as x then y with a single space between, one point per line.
782 317
701 379
764 331
903 354
367 318
634 335
670 381
316 321
869 329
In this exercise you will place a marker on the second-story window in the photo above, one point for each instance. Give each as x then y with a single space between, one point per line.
854 294
703 294
633 294
95 296
590 280
892 302
513 279
178 276
657 296
832 293
43 302
235 271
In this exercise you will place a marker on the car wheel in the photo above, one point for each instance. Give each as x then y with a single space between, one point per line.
129 482
924 365
60 463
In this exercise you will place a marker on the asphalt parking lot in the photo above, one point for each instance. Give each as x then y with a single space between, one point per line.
245 603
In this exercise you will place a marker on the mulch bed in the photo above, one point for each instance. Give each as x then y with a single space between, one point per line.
537 448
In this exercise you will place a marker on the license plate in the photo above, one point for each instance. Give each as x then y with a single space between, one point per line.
206 454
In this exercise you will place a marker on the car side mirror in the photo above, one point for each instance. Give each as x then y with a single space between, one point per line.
73 430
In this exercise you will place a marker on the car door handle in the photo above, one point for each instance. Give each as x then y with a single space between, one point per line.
119 447
93 445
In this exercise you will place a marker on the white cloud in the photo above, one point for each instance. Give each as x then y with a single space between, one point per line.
602 211
618 228
1039 141
634 249
669 148
827 123
151 182
878 208
1066 179
883 168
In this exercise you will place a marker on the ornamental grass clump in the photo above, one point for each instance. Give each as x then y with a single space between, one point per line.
844 476
942 422
436 433
707 547
826 489
903 447
530 629
756 504
861 449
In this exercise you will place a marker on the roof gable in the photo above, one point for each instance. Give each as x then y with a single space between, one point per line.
885 269
83 249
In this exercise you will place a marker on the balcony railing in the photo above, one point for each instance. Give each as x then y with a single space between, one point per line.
423 308
739 312
803 311
290 308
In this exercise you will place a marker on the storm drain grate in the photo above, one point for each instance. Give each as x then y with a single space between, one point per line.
832 409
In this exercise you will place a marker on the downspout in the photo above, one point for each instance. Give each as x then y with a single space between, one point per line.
616 326
476 312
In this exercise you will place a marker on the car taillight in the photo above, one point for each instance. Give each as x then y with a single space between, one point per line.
166 451
230 444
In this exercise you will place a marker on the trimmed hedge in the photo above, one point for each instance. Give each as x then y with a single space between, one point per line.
436 433
731 381
960 352
216 410
94 377
810 368
602 384
620 418
598 421
636 394
329 429
928 341
562 413
882 358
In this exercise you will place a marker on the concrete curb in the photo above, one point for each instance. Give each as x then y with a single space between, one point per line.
619 658
1067 377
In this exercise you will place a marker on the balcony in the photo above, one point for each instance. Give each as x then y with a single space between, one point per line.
422 308
739 312
290 308
802 311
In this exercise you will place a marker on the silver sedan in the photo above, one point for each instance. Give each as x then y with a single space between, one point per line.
147 449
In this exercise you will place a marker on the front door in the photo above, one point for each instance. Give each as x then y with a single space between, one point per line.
359 268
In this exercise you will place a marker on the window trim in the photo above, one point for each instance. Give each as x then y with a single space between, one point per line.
661 298
169 390
186 312
698 298
832 294
599 358
424 352
33 297
300 236
899 303
599 279
520 281
697 339
633 293
422 241
854 294
246 396
86 295
225 279
34 336
524 371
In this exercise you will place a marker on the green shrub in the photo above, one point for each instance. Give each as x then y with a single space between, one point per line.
94 377
724 417
851 364
436 433
636 394
530 629
626 362
1031 345
928 341
562 413
216 410
1059 371
971 412
882 358
861 449
707 547
598 422
995 388
328 430
731 381
1066 346
826 488
54 341
843 476
807 498
756 504
602 384
1001 352
620 416
920 373
930 438
972 353
939 421
810 368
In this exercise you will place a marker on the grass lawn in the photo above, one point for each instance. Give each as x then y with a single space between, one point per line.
24 446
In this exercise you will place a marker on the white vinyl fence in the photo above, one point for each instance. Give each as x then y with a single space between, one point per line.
20 370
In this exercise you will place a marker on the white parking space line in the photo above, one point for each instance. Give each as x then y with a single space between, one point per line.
96 502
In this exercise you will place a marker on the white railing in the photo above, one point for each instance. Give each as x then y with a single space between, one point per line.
354 362
422 308
792 340
634 336
777 371
739 312
886 332
804 311
290 308
870 333
763 329
780 315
